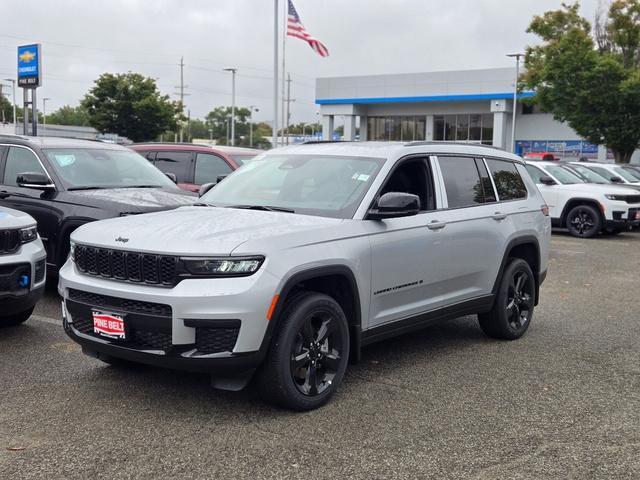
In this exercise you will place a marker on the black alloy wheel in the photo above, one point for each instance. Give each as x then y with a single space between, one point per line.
514 303
316 353
308 355
584 221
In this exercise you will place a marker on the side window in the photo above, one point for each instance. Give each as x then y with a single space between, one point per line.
208 167
146 154
20 160
412 176
487 186
508 181
536 174
461 181
174 162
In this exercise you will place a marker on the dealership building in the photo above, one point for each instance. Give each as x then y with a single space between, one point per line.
473 106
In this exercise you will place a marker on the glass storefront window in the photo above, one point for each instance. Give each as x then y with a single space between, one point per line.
487 128
462 128
438 128
475 128
396 128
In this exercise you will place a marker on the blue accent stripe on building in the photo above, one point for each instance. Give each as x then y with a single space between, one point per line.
428 98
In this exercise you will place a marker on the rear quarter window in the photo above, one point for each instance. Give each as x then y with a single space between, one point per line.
507 179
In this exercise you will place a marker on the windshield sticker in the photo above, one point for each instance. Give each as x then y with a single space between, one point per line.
65 160
363 177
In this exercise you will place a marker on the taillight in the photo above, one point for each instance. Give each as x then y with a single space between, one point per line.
545 210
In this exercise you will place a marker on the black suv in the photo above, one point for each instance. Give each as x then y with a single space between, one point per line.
64 183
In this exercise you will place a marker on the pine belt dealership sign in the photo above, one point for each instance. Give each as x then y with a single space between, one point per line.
29 66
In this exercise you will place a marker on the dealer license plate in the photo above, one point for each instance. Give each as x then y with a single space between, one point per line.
109 325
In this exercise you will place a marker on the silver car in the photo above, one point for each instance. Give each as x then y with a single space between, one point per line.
297 260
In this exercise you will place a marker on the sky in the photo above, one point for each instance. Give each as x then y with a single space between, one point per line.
83 38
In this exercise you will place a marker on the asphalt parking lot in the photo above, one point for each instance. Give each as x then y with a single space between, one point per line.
563 402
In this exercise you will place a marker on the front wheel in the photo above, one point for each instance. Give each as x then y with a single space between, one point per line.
584 221
513 306
309 353
16 318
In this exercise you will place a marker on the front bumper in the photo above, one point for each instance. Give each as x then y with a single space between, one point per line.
623 218
213 325
29 262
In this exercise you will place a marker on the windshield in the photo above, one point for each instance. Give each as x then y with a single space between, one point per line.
563 175
328 186
88 168
628 174
589 175
243 159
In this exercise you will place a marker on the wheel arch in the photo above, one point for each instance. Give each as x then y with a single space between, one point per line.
337 281
527 248
64 233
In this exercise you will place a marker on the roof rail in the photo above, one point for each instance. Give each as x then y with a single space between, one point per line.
14 136
314 142
419 143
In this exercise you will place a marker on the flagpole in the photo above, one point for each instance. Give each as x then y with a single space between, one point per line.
284 45
274 139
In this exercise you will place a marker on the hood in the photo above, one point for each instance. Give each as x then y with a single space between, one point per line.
10 219
132 200
598 188
195 230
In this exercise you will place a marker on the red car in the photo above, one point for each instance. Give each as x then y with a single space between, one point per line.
545 156
193 165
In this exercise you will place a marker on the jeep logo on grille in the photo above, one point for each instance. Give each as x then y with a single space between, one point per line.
122 240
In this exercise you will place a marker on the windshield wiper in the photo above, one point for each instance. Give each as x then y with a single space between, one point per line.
266 208
86 188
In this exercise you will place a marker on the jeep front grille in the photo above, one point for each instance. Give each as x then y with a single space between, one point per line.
127 266
9 241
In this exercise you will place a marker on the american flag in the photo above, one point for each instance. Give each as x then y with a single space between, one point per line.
296 29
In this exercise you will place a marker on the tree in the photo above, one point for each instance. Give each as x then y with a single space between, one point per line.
219 121
68 115
130 105
590 79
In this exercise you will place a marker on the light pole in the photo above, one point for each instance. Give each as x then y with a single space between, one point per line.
517 56
44 115
15 120
252 108
233 103
211 134
228 118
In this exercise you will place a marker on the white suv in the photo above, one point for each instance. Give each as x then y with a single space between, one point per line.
299 258
22 266
585 209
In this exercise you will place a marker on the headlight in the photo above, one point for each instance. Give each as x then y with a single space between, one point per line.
28 234
230 266
620 198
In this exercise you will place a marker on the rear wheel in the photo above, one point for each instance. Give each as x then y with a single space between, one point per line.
308 355
584 221
513 307
16 318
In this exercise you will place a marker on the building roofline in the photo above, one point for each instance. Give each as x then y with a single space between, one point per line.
427 98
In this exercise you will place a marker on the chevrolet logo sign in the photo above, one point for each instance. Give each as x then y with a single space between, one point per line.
27 56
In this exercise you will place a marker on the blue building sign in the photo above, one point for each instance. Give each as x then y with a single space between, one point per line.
29 66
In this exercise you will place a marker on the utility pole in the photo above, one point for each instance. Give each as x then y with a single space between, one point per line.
181 93
13 87
44 115
288 114
1 97
252 108
233 103
274 133
517 56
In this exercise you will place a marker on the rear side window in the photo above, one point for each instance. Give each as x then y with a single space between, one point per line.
487 186
508 181
174 162
461 181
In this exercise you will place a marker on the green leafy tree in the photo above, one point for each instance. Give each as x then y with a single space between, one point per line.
68 115
6 110
130 105
590 78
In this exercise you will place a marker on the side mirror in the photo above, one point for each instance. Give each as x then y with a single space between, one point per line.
35 180
205 188
172 177
545 180
395 204
615 179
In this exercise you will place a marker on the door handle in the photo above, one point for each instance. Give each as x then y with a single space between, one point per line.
497 216
436 225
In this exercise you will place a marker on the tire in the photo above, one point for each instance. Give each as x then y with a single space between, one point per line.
308 354
513 306
16 318
584 221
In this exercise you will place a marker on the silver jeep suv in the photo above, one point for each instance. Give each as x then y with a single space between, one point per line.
298 259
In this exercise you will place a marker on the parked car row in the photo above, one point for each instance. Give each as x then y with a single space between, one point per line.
588 199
